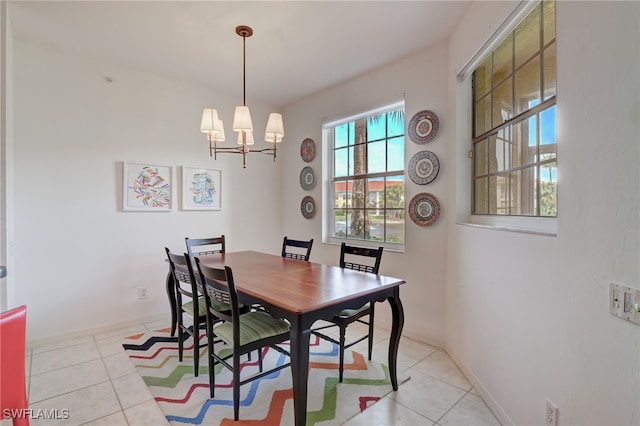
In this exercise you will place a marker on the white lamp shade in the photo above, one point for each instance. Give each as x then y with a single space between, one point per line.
269 138
275 128
209 121
249 138
219 135
242 120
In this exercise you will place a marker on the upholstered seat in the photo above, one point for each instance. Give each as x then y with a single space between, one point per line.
202 309
253 327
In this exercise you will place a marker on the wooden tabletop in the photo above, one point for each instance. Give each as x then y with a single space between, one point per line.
295 285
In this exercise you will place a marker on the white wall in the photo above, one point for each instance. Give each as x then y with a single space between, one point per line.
79 259
419 77
527 316
7 293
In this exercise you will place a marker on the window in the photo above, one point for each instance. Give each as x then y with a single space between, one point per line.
515 169
366 182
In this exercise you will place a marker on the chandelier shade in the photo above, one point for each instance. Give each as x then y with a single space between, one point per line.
242 120
275 128
212 126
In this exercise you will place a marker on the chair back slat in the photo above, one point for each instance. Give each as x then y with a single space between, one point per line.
374 255
302 249
183 275
202 246
219 287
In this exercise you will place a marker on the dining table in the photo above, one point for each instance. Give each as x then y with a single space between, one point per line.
302 293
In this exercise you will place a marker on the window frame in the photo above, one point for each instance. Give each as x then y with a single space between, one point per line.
329 193
539 225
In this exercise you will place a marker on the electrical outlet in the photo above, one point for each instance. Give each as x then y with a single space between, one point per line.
142 293
551 415
624 302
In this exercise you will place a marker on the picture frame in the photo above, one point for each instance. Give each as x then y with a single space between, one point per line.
147 187
201 188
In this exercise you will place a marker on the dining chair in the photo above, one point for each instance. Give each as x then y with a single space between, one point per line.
296 249
200 246
13 390
242 332
353 257
194 305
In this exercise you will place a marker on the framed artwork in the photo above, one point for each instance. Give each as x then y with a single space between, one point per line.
147 187
201 189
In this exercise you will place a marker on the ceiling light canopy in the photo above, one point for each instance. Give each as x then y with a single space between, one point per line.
214 128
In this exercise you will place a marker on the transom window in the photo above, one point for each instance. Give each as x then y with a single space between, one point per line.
514 122
366 184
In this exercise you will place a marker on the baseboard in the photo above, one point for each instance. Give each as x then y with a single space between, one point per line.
45 341
493 405
412 336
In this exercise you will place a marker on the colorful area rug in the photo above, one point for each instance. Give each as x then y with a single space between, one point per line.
184 399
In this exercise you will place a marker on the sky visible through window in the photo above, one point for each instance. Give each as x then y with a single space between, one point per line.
380 152
547 135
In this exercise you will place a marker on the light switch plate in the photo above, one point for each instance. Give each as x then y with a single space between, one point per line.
624 302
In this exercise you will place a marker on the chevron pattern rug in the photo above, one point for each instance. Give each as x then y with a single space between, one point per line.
184 399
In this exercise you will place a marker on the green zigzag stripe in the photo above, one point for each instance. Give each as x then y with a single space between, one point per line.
178 373
329 403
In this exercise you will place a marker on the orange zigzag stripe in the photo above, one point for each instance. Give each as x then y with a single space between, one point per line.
276 408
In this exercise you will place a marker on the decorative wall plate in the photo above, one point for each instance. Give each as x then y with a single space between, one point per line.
423 126
424 209
307 179
424 167
308 150
308 207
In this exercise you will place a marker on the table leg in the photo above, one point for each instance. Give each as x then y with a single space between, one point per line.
396 331
299 350
171 293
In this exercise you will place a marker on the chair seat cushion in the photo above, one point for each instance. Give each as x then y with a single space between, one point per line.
348 313
253 327
202 308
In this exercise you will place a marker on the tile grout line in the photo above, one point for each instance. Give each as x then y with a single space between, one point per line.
453 406
112 384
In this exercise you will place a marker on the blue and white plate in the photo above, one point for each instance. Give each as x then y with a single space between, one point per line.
424 209
423 126
307 179
308 207
424 167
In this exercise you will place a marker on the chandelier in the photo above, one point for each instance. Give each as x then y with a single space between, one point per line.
213 127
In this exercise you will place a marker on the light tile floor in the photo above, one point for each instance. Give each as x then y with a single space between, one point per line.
94 379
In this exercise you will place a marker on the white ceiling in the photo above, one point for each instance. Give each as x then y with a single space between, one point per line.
298 47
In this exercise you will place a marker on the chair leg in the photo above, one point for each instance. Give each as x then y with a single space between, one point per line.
196 350
371 331
180 337
343 330
236 386
212 364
